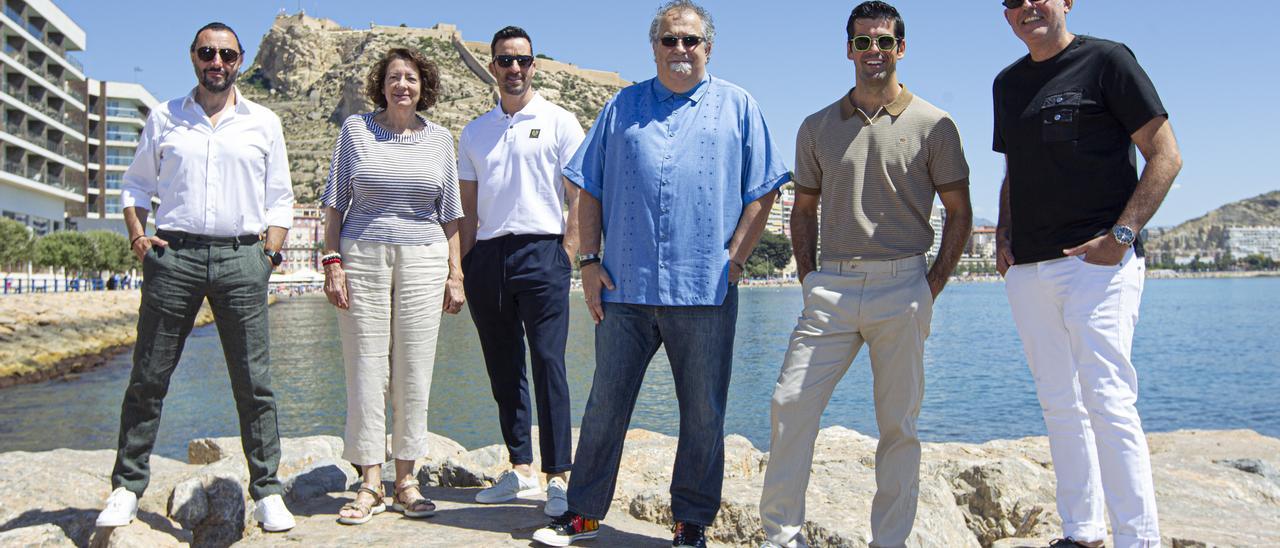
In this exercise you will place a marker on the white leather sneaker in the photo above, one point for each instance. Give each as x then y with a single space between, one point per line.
509 487
557 498
273 515
122 507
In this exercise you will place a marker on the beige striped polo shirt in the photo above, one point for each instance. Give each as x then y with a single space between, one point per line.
877 175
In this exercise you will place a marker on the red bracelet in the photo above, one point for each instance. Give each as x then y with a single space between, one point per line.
331 260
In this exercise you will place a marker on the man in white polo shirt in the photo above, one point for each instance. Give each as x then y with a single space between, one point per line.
516 253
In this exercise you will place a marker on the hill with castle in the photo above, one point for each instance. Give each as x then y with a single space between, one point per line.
311 71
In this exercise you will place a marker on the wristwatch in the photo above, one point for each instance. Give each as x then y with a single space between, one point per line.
276 257
585 259
1123 235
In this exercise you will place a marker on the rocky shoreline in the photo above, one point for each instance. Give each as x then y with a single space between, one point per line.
47 336
1215 488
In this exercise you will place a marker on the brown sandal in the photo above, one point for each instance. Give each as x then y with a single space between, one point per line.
415 507
367 511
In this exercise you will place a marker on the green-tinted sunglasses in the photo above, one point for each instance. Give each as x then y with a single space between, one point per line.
886 42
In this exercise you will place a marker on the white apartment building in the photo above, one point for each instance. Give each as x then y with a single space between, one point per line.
780 216
301 250
42 141
1243 241
116 114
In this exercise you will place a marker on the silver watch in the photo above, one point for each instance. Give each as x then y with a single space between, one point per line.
1123 235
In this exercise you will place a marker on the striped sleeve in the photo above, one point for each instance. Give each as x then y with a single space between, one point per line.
947 165
449 202
337 189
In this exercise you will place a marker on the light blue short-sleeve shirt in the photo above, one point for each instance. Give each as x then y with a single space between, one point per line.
673 173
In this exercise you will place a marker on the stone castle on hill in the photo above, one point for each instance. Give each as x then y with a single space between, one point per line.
311 71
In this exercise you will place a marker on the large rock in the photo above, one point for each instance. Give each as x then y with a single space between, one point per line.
1214 489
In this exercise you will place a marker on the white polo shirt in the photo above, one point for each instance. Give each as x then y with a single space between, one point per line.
516 161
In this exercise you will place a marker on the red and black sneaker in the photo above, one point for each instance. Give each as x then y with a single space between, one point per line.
567 529
690 535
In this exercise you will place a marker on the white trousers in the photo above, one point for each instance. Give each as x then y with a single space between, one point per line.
1076 321
887 305
389 342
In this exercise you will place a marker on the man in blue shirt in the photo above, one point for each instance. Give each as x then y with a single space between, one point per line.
679 174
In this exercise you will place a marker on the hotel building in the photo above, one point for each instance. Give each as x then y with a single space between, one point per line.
42 141
117 111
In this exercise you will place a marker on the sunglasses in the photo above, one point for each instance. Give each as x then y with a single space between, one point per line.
505 61
207 54
1015 4
689 42
886 42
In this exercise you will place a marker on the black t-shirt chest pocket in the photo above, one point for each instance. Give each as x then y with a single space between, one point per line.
1060 116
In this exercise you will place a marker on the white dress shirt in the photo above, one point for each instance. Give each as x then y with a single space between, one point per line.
516 161
226 180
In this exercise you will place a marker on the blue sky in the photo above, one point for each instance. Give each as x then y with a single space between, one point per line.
1212 69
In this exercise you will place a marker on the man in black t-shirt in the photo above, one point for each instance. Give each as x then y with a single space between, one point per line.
1067 119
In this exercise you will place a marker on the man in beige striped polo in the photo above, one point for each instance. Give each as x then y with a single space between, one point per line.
874 160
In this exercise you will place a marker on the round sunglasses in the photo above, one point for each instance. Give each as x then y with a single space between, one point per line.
886 42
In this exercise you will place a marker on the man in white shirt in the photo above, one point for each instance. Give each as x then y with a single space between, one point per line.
516 266
217 163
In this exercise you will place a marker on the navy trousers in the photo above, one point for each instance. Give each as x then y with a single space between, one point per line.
518 286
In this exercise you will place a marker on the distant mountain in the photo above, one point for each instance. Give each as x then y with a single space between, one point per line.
1206 235
979 221
312 73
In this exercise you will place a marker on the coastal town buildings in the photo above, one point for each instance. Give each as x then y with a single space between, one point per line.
780 216
1243 241
42 90
302 249
113 124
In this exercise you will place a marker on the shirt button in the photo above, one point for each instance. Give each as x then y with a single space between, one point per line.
1057 116
1058 99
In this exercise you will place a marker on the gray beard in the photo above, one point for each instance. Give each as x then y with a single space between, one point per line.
682 67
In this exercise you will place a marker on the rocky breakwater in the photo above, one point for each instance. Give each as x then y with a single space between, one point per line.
1215 488
48 335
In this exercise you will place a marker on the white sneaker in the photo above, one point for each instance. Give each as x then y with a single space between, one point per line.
557 500
122 507
509 487
273 515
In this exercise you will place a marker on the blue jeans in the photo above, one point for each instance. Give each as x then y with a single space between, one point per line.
699 343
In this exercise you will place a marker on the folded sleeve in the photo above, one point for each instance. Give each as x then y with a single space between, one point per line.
279 184
586 168
140 182
763 169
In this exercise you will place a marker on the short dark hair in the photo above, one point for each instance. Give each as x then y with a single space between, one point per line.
428 78
508 32
877 10
216 26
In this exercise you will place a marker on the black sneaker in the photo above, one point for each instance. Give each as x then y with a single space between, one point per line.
567 529
688 534
1069 543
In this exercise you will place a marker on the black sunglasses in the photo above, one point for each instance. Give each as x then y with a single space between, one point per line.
505 61
207 53
1015 4
886 42
689 42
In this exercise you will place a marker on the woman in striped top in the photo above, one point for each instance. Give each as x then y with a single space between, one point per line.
391 259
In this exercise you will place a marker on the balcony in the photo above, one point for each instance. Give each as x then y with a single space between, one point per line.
116 160
68 149
38 175
125 137
124 113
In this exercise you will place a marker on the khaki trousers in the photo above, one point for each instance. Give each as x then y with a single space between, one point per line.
389 342
888 305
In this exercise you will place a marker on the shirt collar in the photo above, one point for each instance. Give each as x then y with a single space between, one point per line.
663 94
896 108
531 109
189 102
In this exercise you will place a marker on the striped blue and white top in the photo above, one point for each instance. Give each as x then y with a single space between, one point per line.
391 188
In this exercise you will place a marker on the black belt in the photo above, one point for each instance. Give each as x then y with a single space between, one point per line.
180 238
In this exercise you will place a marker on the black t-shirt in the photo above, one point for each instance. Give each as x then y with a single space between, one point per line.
1064 125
